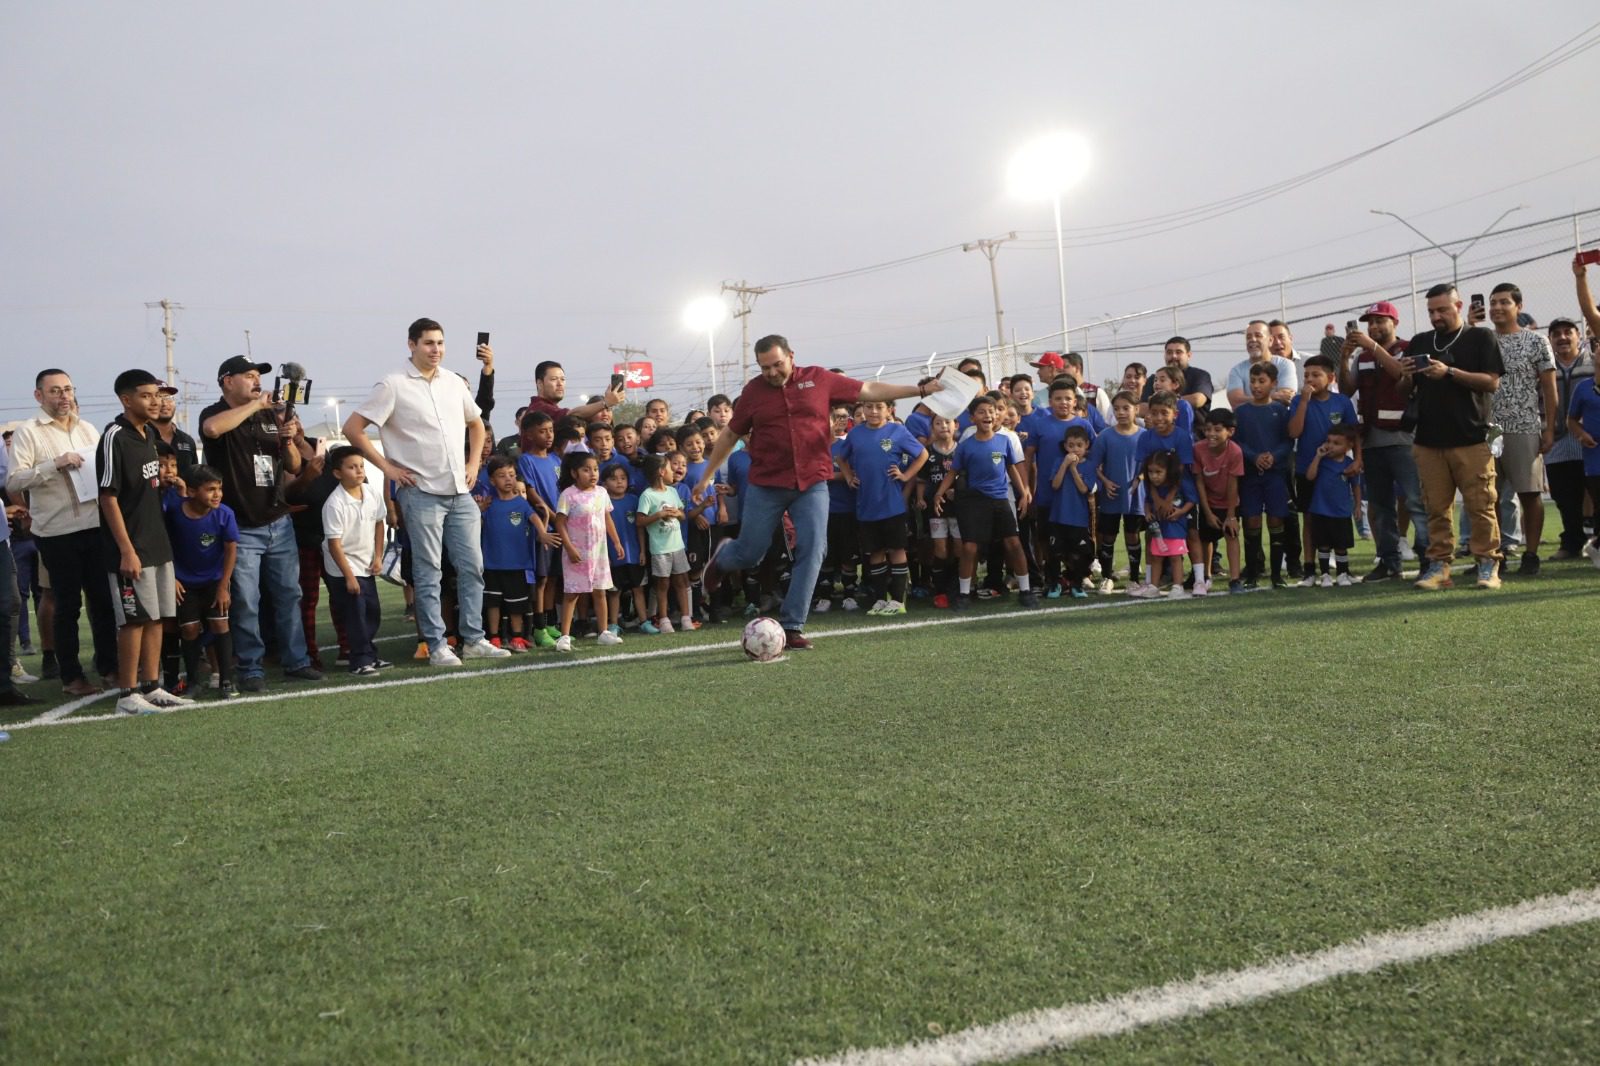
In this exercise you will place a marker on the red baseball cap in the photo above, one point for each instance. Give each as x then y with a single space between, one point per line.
1051 359
1382 308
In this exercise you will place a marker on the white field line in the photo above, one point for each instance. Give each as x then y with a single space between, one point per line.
1045 1030
60 715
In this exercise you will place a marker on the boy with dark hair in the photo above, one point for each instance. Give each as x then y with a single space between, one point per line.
1263 438
143 588
352 555
511 536
540 471
1315 411
983 463
1043 449
1333 503
628 565
205 543
1072 507
837 578
1219 464
870 461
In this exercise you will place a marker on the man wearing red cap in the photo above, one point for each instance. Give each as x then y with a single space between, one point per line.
1390 468
1049 365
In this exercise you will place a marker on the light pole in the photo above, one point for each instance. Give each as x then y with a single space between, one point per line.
1043 169
338 426
1455 257
704 316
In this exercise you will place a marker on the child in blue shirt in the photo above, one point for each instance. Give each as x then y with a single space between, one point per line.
1333 504
1168 506
870 461
627 566
509 534
1114 459
1072 508
1315 411
1263 436
1583 422
1161 434
540 472
205 543
983 465
1043 447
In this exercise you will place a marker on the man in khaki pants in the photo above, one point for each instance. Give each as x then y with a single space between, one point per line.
1454 370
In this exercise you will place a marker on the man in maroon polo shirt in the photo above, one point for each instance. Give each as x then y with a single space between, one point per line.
782 416
551 380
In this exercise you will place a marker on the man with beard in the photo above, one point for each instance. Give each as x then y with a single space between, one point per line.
181 443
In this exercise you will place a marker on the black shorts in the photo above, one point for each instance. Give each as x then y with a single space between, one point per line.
1106 524
984 519
1303 487
843 535
1329 532
505 588
199 605
697 546
628 576
1211 534
882 535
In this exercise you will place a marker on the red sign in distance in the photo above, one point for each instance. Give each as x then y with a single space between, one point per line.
638 374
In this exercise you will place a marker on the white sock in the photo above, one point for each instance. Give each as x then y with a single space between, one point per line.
1022 582
1148 575
1199 571
966 585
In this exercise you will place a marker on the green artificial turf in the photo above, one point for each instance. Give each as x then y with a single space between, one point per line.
698 859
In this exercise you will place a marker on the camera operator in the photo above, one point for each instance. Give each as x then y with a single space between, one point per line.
251 442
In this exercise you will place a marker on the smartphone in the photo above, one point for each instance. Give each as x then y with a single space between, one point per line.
1477 300
483 338
1590 258
617 381
1352 326
1421 359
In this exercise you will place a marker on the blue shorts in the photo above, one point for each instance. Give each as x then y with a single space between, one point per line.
1264 492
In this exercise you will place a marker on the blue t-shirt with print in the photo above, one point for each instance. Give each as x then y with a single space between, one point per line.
507 534
198 543
1070 506
625 516
1321 415
1115 457
872 453
983 464
1330 493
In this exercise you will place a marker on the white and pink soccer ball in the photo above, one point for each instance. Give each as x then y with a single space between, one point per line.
764 640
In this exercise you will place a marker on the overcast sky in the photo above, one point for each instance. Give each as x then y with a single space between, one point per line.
570 177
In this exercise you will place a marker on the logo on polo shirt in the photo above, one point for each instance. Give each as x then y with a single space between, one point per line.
886 444
207 539
997 457
804 384
516 518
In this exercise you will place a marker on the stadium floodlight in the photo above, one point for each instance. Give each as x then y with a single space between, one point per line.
1044 169
704 316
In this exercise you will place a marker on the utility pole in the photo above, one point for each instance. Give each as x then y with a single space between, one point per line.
627 360
170 334
747 294
990 247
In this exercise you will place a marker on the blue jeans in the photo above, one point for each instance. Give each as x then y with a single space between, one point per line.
762 511
267 554
1386 469
8 600
437 524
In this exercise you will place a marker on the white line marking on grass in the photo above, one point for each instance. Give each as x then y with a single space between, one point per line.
1034 1032
60 715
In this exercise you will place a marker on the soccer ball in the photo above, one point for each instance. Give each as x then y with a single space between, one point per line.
763 639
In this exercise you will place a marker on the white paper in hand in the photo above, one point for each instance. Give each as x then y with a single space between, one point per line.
952 400
84 483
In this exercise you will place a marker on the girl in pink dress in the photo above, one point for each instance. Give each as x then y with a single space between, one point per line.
583 519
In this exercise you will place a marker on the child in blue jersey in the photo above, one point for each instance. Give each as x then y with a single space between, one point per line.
1262 433
539 470
173 489
1170 379
1114 458
509 533
1161 434
1072 508
1333 505
1168 505
626 439
205 543
1583 422
944 533
836 581
870 461
627 566
1043 449
1315 411
984 466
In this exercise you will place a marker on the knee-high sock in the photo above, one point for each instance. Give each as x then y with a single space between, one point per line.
1275 539
899 576
879 573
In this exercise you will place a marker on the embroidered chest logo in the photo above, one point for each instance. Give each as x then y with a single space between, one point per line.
886 444
516 518
207 539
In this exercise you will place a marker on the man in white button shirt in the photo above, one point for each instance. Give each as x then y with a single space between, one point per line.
48 457
432 444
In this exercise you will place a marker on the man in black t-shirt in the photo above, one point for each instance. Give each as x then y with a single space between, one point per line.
183 445
1453 370
1197 386
252 445
143 587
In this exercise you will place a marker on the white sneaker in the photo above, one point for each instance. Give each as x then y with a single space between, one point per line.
879 607
1202 588
1307 582
1141 591
443 656
1327 581
821 607
564 642
215 682
1344 581
162 698
850 604
1094 568
482 649
134 703
1107 587
20 676
1176 593
609 638
664 626
1407 552
1591 551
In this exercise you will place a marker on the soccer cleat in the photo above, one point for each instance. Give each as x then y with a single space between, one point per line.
892 607
1079 594
614 629
1529 567
135 703
1381 572
1028 599
482 649
1344 581
543 639
383 664
850 604
1436 578
664 626
794 640
229 693
751 610
366 670
552 632
1327 580
496 642
942 602
1489 574
519 645
987 593
1054 592
961 601
609 638
1177 592
711 575
1107 586
649 629
1143 591
19 676
253 683
564 643
422 650
877 608
1279 581
687 624
164 699
443 656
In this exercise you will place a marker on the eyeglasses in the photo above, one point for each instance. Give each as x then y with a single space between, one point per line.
60 390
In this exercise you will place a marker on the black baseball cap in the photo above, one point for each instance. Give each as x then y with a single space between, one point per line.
1562 323
241 365
130 380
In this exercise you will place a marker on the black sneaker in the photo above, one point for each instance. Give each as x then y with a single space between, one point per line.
1028 599
961 601
305 673
1381 572
254 683
1278 582
1502 571
50 669
1529 565
382 664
